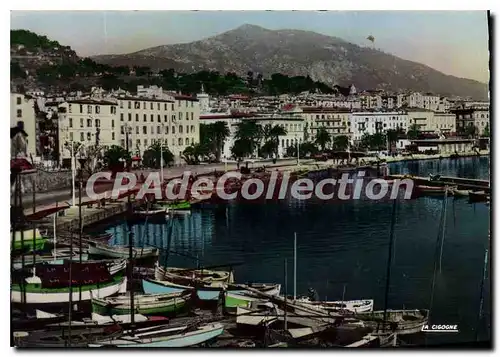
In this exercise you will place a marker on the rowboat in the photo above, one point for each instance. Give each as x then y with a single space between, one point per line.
329 306
181 336
204 292
245 299
148 304
460 193
478 196
182 275
27 241
402 322
118 251
57 257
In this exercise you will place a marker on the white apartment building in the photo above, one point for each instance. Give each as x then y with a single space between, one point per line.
22 111
172 120
431 122
334 120
88 121
443 123
370 101
376 122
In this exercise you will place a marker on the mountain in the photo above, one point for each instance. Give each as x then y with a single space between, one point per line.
294 52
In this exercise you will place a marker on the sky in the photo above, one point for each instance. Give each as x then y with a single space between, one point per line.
453 42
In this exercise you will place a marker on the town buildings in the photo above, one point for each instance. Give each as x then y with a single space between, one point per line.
377 122
22 115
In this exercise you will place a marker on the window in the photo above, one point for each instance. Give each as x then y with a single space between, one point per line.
144 105
137 105
180 129
138 142
172 106
121 104
129 104
136 117
81 122
180 116
97 123
165 118
158 130
70 122
113 135
152 116
192 141
180 141
112 123
192 128
173 117
137 130
81 108
82 137
159 118
151 106
122 130
89 109
19 113
187 115
165 106
121 116
88 137
129 116
145 142
113 109
145 117
97 109
192 116
187 129
71 136
19 101
152 130
89 123
166 130
69 106
144 129
158 106
173 130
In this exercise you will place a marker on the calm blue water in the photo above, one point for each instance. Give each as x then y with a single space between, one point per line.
347 245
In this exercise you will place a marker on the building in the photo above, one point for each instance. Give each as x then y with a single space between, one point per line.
335 120
445 146
472 114
22 114
88 121
377 122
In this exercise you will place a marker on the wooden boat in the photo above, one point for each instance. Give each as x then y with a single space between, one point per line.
460 193
117 251
402 322
478 196
57 257
149 304
329 306
61 338
182 275
175 205
243 298
434 190
182 336
153 211
27 242
203 291
50 283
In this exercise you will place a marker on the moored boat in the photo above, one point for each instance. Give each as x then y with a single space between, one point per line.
402 322
117 251
478 196
182 336
148 304
349 305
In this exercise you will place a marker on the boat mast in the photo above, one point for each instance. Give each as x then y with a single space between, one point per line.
80 222
130 253
389 262
294 266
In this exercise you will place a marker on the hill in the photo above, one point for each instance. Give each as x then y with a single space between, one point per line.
300 53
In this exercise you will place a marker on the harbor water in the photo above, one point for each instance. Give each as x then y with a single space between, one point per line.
345 246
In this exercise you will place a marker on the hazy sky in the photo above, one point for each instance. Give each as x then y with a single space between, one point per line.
454 42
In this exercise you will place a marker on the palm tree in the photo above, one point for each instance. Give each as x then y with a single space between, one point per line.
323 138
152 156
249 135
275 132
221 132
341 142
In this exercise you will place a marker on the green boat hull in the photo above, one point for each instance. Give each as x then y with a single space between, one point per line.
234 301
184 205
171 309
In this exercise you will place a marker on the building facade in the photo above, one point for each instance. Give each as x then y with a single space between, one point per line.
22 112
377 122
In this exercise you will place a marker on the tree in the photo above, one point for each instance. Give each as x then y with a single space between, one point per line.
307 149
323 138
377 141
241 148
221 132
341 142
268 149
413 132
115 156
193 153
249 134
470 131
152 156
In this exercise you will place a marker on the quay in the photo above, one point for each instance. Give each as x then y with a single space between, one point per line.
462 183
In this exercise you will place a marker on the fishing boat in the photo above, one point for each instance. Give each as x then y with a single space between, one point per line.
57 257
244 298
27 241
433 190
51 284
460 193
117 251
148 304
203 291
175 205
182 336
146 212
329 306
182 275
402 322
61 337
478 196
